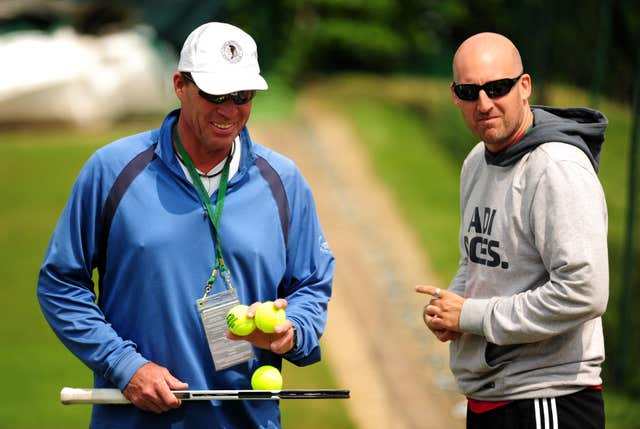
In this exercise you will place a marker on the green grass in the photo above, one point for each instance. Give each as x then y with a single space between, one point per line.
403 144
37 170
417 140
313 414
622 411
407 127
275 104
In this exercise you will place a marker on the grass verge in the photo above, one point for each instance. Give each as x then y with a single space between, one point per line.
37 170
417 141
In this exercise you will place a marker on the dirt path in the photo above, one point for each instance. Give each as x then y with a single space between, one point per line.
375 339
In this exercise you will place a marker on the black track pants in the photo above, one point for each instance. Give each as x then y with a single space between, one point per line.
580 410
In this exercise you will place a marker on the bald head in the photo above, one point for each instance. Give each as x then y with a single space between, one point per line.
486 57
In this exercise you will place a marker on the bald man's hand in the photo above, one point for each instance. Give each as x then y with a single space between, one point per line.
442 313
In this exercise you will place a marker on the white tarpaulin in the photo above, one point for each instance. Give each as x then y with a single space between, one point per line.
80 79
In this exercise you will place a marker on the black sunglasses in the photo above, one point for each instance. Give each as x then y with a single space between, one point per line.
494 89
238 97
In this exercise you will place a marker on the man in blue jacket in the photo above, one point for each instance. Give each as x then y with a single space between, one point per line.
147 212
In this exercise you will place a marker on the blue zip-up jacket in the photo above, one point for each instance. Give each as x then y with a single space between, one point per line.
154 258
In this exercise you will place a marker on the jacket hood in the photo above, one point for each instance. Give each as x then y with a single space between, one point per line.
577 126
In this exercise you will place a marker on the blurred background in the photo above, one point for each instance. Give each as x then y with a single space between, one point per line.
78 74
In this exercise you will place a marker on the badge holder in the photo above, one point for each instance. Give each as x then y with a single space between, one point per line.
213 311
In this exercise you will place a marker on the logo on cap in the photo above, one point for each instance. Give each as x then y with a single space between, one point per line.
231 51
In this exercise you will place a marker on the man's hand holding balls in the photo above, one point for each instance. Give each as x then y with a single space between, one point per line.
274 332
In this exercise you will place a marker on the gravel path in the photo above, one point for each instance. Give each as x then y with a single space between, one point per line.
375 340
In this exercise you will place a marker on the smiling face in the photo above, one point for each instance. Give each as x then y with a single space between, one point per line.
207 130
497 121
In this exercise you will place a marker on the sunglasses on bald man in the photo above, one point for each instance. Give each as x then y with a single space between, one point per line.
238 97
493 89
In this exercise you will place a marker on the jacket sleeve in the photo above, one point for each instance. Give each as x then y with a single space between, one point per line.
309 277
458 284
66 290
568 219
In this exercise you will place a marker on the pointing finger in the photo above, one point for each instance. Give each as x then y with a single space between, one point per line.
426 289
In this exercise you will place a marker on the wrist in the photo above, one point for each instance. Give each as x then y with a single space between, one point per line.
294 347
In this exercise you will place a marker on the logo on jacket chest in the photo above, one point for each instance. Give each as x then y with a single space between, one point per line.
479 246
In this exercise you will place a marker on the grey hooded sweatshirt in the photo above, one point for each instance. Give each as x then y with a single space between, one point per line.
534 267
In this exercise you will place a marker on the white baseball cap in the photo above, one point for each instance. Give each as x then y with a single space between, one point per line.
221 59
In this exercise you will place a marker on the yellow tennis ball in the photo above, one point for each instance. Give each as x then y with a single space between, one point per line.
268 317
266 377
238 322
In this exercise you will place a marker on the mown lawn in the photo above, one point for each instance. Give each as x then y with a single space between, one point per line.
37 170
417 141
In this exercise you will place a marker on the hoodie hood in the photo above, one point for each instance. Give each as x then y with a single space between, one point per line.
577 126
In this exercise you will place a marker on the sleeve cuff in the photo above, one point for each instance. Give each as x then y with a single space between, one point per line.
126 368
296 343
472 315
302 354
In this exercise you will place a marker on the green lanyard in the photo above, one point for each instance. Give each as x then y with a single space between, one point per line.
214 215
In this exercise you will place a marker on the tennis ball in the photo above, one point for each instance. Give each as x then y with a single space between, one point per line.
238 322
268 317
266 377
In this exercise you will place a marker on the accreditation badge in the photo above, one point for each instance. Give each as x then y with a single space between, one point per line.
213 312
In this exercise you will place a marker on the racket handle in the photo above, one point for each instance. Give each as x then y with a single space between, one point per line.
70 395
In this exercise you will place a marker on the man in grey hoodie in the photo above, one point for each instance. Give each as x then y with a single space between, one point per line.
523 313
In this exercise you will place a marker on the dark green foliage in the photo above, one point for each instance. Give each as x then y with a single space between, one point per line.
592 43
309 38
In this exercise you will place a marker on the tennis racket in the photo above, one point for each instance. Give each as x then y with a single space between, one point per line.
70 395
